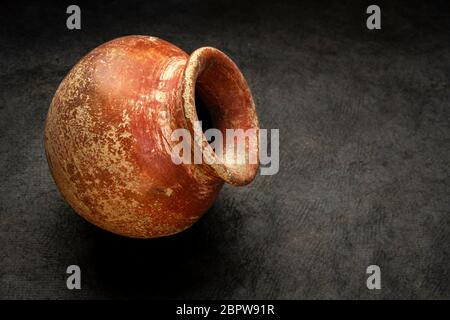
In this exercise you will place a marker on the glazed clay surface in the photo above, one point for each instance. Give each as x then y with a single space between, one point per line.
107 134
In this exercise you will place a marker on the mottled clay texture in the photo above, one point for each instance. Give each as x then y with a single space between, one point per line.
107 134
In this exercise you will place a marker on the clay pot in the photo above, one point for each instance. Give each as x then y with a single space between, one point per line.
107 134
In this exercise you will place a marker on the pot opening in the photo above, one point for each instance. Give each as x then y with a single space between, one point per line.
203 113
215 92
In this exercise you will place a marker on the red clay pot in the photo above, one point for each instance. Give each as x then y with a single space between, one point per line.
107 134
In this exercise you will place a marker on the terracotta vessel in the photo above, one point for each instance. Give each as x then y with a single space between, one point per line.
107 134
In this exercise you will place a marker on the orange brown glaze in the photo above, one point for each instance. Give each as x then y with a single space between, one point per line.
107 134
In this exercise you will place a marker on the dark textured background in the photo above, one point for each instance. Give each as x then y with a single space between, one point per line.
364 168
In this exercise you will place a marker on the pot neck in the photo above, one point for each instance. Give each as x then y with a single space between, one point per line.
215 78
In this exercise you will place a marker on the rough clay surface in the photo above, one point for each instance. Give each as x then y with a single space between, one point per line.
364 172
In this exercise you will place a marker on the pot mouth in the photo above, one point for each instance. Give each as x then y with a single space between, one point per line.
214 78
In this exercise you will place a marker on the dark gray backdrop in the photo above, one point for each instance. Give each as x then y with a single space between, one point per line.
364 175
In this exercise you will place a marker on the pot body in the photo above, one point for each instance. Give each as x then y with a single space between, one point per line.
107 140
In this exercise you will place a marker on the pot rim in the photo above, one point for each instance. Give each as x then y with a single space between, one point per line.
206 58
